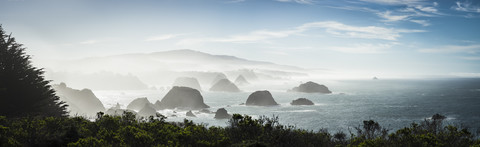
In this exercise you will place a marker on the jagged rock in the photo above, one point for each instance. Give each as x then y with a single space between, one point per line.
139 103
222 114
187 82
241 81
190 114
261 98
118 112
183 98
157 104
147 110
81 102
224 85
301 101
116 106
438 117
218 78
311 87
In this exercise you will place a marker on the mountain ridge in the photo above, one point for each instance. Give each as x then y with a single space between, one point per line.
184 58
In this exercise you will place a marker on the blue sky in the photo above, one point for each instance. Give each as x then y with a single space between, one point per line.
380 37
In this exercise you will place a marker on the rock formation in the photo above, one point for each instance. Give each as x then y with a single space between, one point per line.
301 101
261 98
187 82
224 85
190 114
183 98
311 87
118 112
218 78
117 106
81 102
241 81
147 110
139 103
222 114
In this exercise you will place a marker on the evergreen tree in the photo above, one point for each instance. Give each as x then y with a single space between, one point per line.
23 89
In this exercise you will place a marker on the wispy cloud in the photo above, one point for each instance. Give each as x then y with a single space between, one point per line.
422 22
298 1
466 7
387 15
333 28
469 49
399 10
255 36
364 32
396 2
355 8
414 12
236 1
364 48
163 37
427 8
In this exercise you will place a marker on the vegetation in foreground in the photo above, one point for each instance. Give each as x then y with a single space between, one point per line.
23 88
242 130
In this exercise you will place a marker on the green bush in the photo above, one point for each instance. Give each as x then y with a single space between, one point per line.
243 130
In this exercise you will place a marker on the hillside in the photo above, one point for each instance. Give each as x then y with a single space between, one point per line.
161 68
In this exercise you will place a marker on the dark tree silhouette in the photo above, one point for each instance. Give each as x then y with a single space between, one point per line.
23 89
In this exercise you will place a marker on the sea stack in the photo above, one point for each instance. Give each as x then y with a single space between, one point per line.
222 114
218 78
311 87
119 112
190 114
183 98
138 104
301 101
261 98
81 102
147 110
224 85
241 81
116 106
187 82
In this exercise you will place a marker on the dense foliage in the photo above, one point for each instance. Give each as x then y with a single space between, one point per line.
242 130
23 90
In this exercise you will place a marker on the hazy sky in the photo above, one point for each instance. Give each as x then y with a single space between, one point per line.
406 37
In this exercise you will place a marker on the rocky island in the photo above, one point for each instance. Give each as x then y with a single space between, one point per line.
301 101
224 85
183 98
311 87
187 82
261 98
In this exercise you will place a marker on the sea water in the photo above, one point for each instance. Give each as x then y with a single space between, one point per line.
393 103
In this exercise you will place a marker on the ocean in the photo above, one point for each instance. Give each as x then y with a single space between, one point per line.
394 104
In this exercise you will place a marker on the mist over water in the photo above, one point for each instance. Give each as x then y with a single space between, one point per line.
393 103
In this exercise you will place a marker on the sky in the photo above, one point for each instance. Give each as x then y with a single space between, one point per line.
378 37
